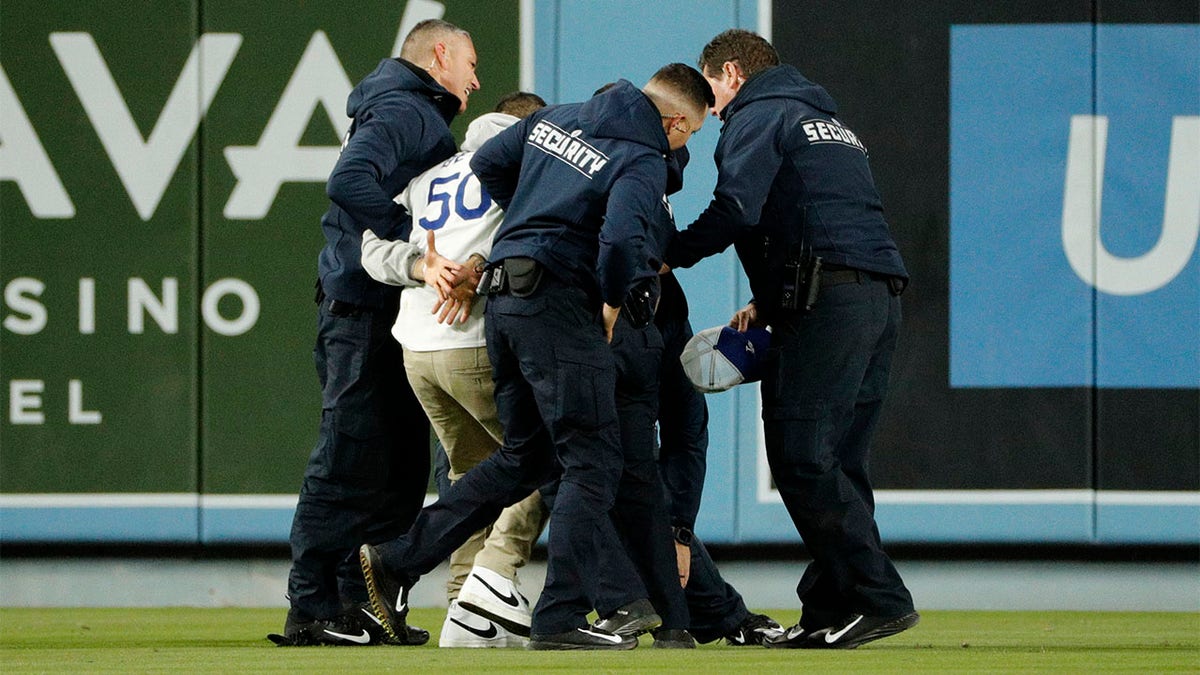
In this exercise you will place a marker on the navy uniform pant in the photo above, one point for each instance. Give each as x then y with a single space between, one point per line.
555 380
366 478
715 607
683 426
822 394
641 508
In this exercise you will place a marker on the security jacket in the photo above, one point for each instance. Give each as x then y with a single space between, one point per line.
790 177
672 305
580 184
400 127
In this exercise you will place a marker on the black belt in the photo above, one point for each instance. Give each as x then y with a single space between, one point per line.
337 307
842 276
832 275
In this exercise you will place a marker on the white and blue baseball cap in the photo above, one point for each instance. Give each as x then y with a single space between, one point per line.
720 358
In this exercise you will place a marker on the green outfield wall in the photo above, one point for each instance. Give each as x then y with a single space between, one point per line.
162 174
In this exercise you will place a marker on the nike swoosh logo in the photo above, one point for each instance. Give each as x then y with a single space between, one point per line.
485 634
831 638
372 616
794 633
615 639
360 639
510 600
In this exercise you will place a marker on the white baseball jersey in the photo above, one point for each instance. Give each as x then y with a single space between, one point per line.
448 201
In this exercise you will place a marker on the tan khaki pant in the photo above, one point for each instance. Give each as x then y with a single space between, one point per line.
454 387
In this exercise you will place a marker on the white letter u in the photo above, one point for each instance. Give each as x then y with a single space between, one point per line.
1081 210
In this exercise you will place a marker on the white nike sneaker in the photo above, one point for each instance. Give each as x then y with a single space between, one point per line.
495 597
466 630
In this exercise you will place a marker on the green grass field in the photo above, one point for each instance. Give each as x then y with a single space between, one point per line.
233 640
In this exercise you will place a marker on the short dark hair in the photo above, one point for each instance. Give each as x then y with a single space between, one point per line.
519 104
424 35
748 49
688 82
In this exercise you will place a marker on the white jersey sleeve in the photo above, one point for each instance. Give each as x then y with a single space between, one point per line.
389 262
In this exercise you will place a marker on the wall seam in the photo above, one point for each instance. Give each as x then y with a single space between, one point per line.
198 323
1094 398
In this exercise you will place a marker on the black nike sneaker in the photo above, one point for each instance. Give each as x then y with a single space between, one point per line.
356 627
858 630
582 638
792 638
353 628
389 600
298 631
631 620
359 626
754 630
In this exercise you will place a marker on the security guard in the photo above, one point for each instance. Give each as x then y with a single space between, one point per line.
578 184
795 196
367 475
641 512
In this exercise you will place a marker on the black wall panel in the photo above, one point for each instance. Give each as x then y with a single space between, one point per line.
887 65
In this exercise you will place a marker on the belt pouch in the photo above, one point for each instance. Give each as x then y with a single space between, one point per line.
523 274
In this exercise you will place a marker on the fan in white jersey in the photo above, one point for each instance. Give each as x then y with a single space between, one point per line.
445 359
446 200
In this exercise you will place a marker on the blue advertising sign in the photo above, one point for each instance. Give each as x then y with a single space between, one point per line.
1075 206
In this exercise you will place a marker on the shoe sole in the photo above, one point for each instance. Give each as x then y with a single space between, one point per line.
285 641
800 642
538 645
497 643
752 640
379 607
469 644
747 643
673 644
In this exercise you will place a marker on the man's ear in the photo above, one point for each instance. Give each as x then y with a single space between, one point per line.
733 72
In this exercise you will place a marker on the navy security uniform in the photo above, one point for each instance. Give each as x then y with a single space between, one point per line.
641 514
577 183
715 608
367 475
792 177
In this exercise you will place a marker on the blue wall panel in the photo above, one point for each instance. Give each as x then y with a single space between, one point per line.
581 45
1065 316
1169 519
1148 297
39 519
1008 139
